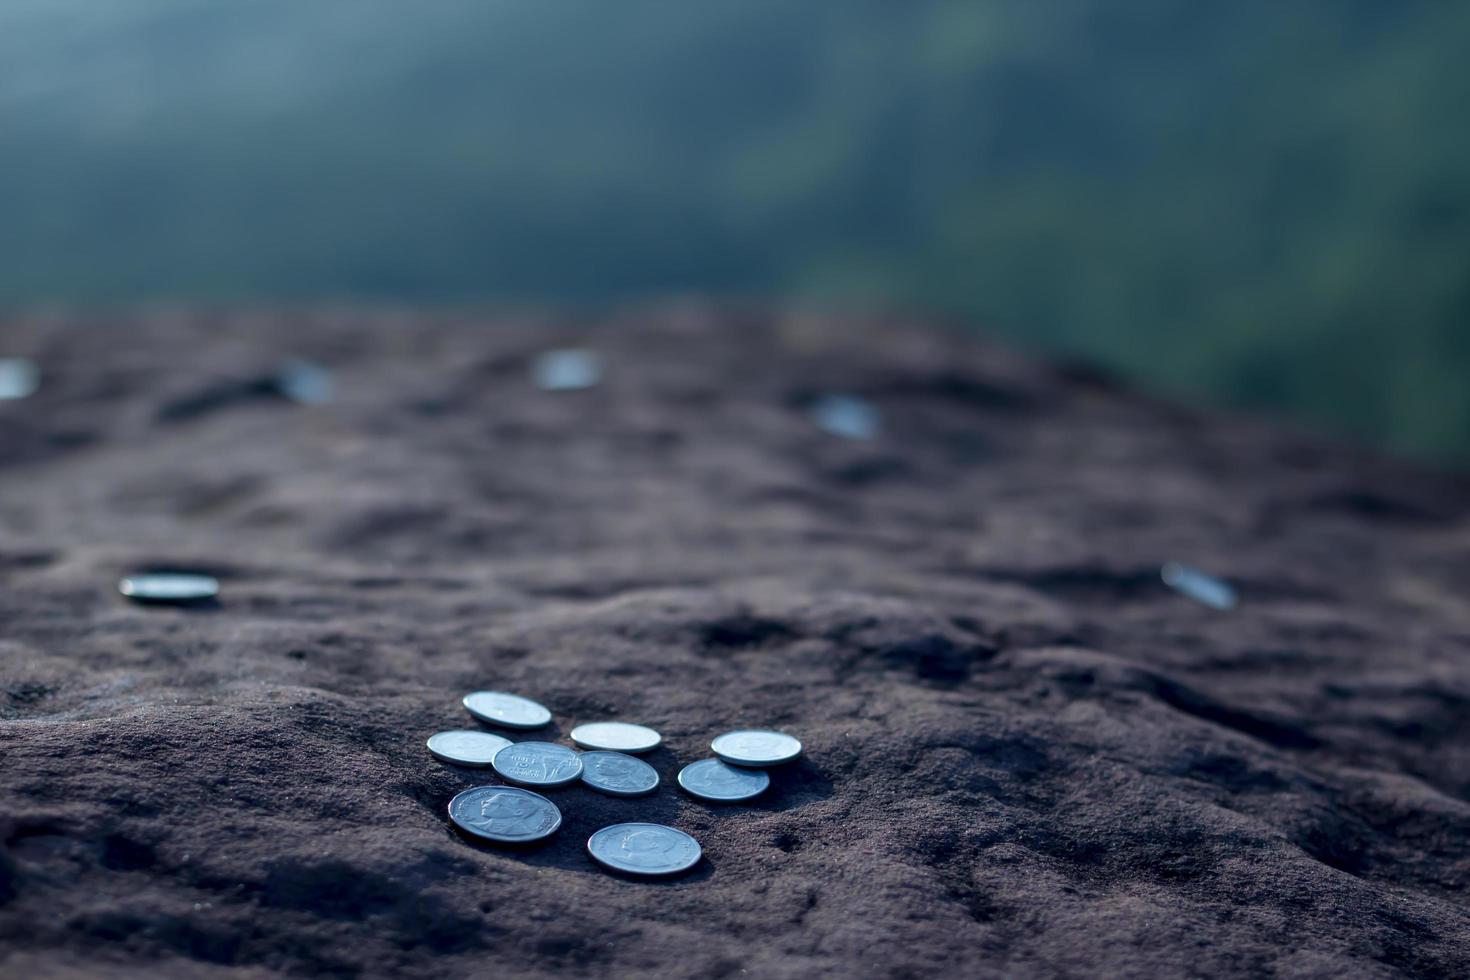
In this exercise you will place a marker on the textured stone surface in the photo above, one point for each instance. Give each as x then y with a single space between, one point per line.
1025 756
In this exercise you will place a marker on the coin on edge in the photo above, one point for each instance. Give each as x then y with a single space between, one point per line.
617 774
756 748
644 849
616 736
711 779
169 588
504 814
506 710
538 764
466 748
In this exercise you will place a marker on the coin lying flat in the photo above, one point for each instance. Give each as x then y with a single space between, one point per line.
616 736
169 588
644 849
756 748
466 748
1200 586
566 370
506 710
711 779
617 774
504 814
538 764
19 378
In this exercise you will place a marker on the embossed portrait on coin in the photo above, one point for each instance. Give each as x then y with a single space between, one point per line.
648 849
506 812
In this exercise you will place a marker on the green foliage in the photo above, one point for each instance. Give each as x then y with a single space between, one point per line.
1260 203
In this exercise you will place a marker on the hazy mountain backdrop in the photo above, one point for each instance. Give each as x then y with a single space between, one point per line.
1266 203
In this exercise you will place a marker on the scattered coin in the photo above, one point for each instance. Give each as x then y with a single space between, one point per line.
19 378
615 736
1199 586
566 370
506 710
846 416
644 849
711 779
538 764
303 382
466 748
756 748
504 814
617 774
169 588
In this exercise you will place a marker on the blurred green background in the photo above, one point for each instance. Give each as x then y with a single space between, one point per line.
1260 204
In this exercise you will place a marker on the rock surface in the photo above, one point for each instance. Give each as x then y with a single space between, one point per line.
1025 755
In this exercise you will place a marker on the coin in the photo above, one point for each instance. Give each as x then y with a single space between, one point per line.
538 764
173 588
711 779
756 748
19 378
1199 586
466 748
847 416
617 774
615 736
644 849
566 370
506 710
504 814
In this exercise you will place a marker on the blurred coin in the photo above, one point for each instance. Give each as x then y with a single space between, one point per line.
846 416
756 747
644 849
617 774
169 588
303 382
466 748
1199 586
538 764
19 378
504 814
615 736
711 779
566 370
506 710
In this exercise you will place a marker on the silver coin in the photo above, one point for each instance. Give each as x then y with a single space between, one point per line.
504 814
711 779
617 774
466 748
566 370
644 849
538 764
616 736
1199 586
19 378
506 710
175 588
756 748
847 416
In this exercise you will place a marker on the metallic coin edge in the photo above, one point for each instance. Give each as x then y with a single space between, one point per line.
657 781
125 589
719 799
698 851
429 744
658 739
517 725
503 840
761 764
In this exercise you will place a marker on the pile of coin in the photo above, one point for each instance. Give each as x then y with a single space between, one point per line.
608 763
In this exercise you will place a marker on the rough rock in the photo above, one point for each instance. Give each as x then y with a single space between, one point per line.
1026 757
